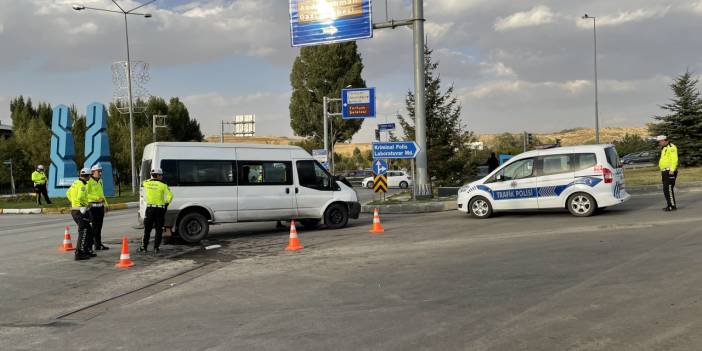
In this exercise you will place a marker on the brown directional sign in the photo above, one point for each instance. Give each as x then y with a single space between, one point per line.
380 184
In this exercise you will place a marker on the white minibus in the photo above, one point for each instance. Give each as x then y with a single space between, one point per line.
229 183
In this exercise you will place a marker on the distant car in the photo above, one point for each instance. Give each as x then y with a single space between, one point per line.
396 179
640 157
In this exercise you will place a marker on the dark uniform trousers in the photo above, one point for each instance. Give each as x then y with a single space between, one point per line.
85 233
40 190
153 218
97 215
669 187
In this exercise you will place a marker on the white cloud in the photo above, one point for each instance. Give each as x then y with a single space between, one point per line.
576 86
537 16
85 28
626 17
697 7
271 110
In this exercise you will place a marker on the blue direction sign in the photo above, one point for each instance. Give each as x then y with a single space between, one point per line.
380 167
400 149
358 103
386 126
314 22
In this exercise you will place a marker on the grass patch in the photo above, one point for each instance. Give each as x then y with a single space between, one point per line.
29 201
652 176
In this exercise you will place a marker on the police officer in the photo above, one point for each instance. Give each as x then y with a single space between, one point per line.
39 179
78 196
158 196
669 171
98 206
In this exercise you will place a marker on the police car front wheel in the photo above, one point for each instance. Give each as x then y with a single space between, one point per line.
480 207
582 205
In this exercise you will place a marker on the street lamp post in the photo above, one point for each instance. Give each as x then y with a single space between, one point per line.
129 73
597 112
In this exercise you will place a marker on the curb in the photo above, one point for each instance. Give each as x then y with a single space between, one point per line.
690 186
422 207
61 210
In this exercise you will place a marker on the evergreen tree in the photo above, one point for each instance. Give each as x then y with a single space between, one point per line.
180 126
321 71
631 143
449 159
683 123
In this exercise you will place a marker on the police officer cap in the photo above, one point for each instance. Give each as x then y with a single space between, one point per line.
95 168
156 171
40 167
84 171
661 138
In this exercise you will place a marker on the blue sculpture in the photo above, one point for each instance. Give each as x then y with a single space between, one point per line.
97 145
63 170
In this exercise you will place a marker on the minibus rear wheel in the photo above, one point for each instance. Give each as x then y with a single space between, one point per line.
336 216
193 227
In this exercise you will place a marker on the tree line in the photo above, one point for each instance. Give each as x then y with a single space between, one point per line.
29 144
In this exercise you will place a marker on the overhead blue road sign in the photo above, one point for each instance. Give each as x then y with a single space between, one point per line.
400 149
314 22
386 126
358 103
380 167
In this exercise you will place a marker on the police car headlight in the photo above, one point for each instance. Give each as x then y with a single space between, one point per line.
463 189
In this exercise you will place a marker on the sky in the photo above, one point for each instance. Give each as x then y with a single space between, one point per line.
515 65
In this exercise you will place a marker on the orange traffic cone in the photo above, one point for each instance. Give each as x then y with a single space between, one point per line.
66 245
124 260
377 228
294 242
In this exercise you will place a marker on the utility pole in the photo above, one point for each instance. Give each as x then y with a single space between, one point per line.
155 125
221 135
597 107
422 182
326 115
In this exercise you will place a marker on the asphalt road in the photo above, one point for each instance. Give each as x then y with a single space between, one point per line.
628 279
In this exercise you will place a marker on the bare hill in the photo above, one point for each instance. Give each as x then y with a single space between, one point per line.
577 136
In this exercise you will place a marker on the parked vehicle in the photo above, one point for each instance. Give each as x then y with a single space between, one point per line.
396 179
228 183
643 157
581 179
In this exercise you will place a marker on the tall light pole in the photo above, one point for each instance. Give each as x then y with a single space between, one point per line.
129 74
597 108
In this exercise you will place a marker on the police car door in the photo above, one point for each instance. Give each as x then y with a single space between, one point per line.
556 175
514 186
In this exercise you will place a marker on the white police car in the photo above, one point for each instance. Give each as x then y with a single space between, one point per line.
579 178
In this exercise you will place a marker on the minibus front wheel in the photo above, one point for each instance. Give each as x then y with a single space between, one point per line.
336 216
193 227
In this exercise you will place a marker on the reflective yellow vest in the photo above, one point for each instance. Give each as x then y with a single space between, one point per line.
95 192
669 158
77 194
157 192
39 178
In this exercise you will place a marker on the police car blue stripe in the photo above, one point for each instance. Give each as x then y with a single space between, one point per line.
547 191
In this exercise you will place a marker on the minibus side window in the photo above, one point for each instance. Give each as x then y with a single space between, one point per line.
145 170
170 172
312 175
265 173
204 172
